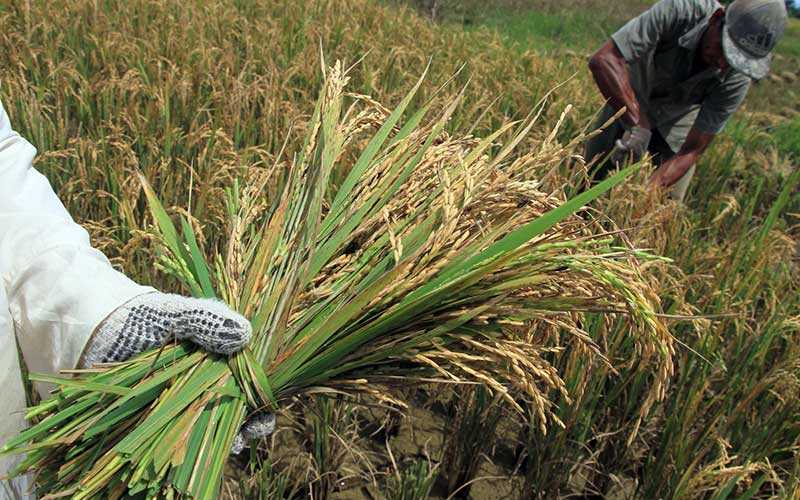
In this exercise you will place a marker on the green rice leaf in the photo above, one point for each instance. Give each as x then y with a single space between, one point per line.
198 261
204 377
82 385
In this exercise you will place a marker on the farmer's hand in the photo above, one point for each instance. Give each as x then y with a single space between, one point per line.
153 319
633 145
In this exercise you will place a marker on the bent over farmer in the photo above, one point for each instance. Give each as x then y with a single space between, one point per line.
63 305
680 70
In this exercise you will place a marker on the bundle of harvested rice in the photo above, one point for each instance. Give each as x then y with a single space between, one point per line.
393 257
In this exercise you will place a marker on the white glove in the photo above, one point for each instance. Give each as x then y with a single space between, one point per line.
633 145
256 428
151 320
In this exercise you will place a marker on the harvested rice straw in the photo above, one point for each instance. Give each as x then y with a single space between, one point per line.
431 252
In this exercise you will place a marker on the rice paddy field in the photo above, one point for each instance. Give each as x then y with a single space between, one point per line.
635 348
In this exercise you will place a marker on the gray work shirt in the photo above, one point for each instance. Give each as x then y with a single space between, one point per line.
659 47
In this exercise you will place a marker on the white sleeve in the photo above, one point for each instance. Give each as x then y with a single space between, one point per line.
58 287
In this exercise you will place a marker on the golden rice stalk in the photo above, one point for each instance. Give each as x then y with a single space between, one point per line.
429 254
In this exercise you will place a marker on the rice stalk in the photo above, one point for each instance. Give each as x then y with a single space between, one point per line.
411 261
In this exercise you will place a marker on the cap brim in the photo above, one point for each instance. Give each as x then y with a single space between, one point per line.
741 62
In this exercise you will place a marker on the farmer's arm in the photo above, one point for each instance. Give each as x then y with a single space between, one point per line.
635 41
610 72
45 262
716 110
671 171
68 304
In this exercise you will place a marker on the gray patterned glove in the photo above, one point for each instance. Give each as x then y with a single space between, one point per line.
255 428
153 319
633 145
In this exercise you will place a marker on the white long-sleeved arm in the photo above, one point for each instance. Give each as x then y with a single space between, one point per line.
58 287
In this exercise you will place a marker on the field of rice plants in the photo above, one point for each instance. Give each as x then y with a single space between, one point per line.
635 348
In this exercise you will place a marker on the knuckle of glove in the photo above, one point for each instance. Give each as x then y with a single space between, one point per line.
217 328
259 426
639 139
255 428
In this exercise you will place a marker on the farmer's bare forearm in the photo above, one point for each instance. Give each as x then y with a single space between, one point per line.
693 148
610 72
670 172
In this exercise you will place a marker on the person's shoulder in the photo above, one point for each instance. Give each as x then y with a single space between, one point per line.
734 83
697 8
691 11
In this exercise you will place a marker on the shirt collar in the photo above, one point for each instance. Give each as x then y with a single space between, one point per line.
691 41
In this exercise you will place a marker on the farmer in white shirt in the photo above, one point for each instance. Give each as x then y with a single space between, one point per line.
63 304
